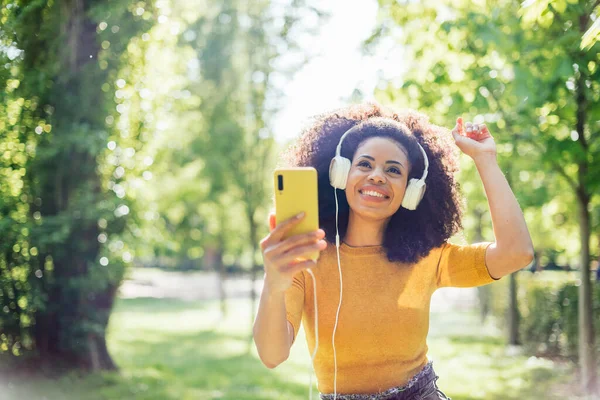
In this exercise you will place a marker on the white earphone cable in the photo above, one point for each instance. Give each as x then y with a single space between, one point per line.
337 315
338 173
316 333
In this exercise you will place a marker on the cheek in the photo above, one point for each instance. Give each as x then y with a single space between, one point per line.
351 186
399 191
353 178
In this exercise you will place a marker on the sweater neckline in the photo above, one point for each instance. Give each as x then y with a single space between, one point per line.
361 250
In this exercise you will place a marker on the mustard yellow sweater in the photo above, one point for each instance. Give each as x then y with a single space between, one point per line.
384 319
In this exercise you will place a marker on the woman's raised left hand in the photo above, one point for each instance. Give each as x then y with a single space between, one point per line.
474 140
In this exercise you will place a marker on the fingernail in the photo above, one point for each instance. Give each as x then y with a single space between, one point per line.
300 215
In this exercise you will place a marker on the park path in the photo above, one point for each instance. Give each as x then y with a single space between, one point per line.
193 286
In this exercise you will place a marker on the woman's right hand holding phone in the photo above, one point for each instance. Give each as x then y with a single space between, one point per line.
280 255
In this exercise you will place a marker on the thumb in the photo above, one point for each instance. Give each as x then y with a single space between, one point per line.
458 138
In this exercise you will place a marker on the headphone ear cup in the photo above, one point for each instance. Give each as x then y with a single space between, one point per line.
338 172
414 194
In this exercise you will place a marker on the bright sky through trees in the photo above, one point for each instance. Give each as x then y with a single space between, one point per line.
339 67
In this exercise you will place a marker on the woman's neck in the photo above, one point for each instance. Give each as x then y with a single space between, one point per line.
364 232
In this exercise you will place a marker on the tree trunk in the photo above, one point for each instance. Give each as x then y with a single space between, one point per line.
61 330
255 268
513 312
222 293
587 349
513 306
484 293
221 265
98 357
598 269
46 329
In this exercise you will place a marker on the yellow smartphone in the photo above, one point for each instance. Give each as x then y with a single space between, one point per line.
296 191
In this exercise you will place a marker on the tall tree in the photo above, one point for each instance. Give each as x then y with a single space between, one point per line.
526 76
574 102
237 58
66 280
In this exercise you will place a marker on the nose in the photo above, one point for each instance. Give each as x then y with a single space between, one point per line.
376 176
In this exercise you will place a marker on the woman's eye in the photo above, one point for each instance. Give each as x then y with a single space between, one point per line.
366 164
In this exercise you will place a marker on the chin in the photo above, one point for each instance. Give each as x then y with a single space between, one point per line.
372 214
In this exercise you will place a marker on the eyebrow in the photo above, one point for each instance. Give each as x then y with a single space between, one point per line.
387 162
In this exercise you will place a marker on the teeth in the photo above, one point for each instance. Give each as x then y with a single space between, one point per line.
372 193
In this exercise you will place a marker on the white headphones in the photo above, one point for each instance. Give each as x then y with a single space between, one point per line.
340 167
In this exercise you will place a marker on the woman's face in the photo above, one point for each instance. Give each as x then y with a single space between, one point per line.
377 178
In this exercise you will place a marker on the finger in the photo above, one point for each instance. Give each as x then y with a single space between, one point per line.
301 251
284 227
272 221
279 230
297 241
458 138
469 127
476 128
484 129
456 129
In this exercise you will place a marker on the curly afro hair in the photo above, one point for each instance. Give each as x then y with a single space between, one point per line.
410 235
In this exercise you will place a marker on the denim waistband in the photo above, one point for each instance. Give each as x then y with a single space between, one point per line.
416 383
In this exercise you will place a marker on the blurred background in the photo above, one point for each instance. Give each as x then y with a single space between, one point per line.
137 141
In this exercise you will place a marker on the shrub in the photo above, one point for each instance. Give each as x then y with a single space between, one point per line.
548 305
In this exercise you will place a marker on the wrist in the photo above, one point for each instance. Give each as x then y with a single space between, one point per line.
485 158
272 290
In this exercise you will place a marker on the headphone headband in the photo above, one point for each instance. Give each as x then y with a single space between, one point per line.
338 151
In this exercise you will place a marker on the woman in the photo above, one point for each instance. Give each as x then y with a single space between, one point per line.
392 258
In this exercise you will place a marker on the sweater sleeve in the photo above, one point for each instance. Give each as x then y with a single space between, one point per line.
463 266
294 302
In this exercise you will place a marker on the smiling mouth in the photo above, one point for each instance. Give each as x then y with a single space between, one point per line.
373 193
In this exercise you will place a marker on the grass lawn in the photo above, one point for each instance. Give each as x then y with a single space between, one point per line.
176 350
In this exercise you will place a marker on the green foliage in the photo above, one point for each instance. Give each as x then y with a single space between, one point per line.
568 299
61 226
540 327
128 131
548 303
219 134
525 78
